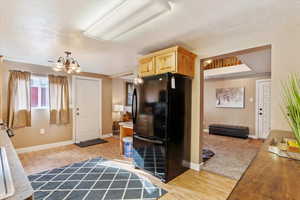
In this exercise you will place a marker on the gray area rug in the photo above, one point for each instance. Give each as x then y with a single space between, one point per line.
90 180
232 155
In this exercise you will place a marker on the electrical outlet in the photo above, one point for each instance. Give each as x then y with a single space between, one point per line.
42 131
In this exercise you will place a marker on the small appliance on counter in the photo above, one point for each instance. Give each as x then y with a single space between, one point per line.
4 127
161 111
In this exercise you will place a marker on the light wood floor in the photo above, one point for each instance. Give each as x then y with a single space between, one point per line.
191 185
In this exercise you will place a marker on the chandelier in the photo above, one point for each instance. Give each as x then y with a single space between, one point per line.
67 64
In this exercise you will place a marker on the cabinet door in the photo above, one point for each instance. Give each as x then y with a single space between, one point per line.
186 64
166 63
146 67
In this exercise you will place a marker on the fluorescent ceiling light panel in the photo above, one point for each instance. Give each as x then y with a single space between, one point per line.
125 16
225 71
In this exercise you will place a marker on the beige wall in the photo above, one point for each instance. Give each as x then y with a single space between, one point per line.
285 52
197 114
31 136
231 116
106 106
285 43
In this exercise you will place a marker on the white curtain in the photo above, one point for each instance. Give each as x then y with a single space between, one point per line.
59 100
19 105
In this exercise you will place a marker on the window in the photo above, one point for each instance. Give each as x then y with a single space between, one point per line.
129 93
39 89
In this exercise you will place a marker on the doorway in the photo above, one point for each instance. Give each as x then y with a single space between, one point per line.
263 108
87 108
230 136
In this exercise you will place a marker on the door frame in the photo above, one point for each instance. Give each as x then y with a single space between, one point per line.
256 104
74 93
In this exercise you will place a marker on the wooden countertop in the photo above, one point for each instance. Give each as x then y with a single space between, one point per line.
269 177
23 189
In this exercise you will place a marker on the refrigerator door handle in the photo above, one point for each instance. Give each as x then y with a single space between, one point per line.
134 106
148 140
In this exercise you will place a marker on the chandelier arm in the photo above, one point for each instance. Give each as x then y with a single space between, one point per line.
61 59
67 64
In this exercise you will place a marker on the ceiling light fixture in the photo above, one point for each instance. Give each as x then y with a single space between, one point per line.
125 16
67 64
1 59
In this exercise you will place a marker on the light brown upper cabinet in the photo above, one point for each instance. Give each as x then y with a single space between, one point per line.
166 63
175 60
146 66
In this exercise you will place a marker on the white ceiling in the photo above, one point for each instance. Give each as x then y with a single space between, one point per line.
35 31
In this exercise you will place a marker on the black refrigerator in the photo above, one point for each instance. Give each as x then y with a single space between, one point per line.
161 110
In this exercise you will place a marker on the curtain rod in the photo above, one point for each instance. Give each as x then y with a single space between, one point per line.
39 73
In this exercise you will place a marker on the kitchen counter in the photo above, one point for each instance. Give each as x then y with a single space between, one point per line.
269 177
23 189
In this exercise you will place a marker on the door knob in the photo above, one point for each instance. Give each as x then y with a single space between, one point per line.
77 113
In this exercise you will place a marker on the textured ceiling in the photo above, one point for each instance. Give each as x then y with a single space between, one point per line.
35 31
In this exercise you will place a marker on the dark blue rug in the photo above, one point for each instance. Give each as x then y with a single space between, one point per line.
93 179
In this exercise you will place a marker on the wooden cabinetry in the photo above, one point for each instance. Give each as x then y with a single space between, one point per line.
146 66
174 60
166 63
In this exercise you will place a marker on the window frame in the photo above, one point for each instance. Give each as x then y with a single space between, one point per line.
39 86
128 86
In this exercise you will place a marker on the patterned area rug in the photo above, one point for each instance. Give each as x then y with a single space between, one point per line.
93 179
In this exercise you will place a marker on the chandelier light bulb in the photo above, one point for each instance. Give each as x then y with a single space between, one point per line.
67 64
59 66
56 69
140 81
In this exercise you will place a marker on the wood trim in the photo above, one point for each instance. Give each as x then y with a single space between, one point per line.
119 75
93 75
223 62
43 146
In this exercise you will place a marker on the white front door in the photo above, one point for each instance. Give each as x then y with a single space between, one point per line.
263 108
87 108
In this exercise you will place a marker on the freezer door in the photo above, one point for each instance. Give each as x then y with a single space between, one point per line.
150 106
150 155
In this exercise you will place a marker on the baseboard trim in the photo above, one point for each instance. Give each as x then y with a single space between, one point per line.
106 135
191 165
252 136
44 146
